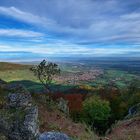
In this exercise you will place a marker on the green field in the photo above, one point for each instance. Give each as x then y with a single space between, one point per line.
17 75
120 79
21 74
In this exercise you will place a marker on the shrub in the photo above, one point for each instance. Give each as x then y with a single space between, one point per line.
96 112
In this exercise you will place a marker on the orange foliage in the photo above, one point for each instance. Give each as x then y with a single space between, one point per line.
74 100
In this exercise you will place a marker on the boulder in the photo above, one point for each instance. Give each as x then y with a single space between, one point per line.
53 136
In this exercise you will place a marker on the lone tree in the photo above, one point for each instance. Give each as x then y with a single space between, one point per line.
45 72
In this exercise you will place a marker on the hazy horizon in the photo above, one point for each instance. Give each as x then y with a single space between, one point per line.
71 59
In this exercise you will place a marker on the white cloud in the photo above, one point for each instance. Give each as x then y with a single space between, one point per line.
80 20
26 16
131 16
21 15
19 33
71 49
77 21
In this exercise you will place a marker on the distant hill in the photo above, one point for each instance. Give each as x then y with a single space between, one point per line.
12 66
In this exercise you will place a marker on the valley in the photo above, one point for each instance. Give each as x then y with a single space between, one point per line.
115 89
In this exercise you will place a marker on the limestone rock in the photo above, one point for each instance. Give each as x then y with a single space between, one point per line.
18 100
63 105
19 119
53 136
30 125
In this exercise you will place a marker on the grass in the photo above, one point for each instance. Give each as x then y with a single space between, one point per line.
126 130
17 75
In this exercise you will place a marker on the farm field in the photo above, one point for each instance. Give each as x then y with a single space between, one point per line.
73 73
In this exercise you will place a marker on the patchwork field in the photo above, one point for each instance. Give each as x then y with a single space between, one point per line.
72 74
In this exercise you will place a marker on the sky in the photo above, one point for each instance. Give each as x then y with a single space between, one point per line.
36 29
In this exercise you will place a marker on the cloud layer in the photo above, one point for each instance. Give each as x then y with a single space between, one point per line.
104 27
19 33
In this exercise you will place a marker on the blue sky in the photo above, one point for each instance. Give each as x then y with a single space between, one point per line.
34 29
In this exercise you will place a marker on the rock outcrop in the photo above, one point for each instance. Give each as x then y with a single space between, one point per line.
133 111
19 116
